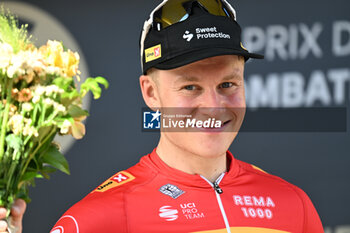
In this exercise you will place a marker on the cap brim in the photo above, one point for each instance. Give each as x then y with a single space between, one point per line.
201 54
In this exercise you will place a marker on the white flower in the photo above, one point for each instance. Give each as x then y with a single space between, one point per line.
27 107
52 70
48 102
16 123
6 53
59 107
36 99
51 89
18 64
11 71
65 127
30 130
28 121
39 90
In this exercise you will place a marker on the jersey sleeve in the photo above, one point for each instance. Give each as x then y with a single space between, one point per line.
95 213
312 222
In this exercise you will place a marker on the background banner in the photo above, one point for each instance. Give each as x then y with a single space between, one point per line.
307 49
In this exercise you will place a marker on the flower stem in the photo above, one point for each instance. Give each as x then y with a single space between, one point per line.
31 155
5 119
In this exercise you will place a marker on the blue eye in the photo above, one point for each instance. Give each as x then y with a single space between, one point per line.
226 85
190 87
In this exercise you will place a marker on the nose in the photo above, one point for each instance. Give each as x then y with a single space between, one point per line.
212 103
211 99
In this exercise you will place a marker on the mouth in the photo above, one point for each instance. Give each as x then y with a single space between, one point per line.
213 129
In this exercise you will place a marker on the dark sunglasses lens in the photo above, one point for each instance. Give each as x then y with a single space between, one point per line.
174 11
216 7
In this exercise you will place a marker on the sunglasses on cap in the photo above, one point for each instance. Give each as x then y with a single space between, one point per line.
179 10
171 12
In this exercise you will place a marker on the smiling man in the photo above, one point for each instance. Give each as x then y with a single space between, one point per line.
212 88
193 61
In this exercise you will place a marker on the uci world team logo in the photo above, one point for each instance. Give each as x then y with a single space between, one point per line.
151 120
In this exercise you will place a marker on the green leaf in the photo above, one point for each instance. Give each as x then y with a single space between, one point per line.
14 141
54 158
66 99
76 111
70 95
92 84
43 132
63 82
103 81
32 166
30 175
46 170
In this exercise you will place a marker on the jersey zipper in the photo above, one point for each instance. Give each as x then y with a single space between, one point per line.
219 191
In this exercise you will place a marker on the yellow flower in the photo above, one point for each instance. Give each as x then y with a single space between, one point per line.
16 123
53 52
59 61
71 63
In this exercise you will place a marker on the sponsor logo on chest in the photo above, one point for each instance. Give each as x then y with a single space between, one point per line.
171 190
189 210
255 206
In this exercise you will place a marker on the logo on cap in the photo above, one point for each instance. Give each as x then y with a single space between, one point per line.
187 36
153 53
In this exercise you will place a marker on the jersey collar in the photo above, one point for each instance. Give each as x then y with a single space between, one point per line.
153 161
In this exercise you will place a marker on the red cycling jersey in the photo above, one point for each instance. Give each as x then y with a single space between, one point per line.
152 197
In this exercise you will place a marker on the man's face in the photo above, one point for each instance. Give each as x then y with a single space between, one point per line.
210 88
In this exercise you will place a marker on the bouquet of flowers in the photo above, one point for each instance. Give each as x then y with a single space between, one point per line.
39 98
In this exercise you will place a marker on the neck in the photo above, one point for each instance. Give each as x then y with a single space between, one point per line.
211 167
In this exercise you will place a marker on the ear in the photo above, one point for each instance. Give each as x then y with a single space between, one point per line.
149 92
